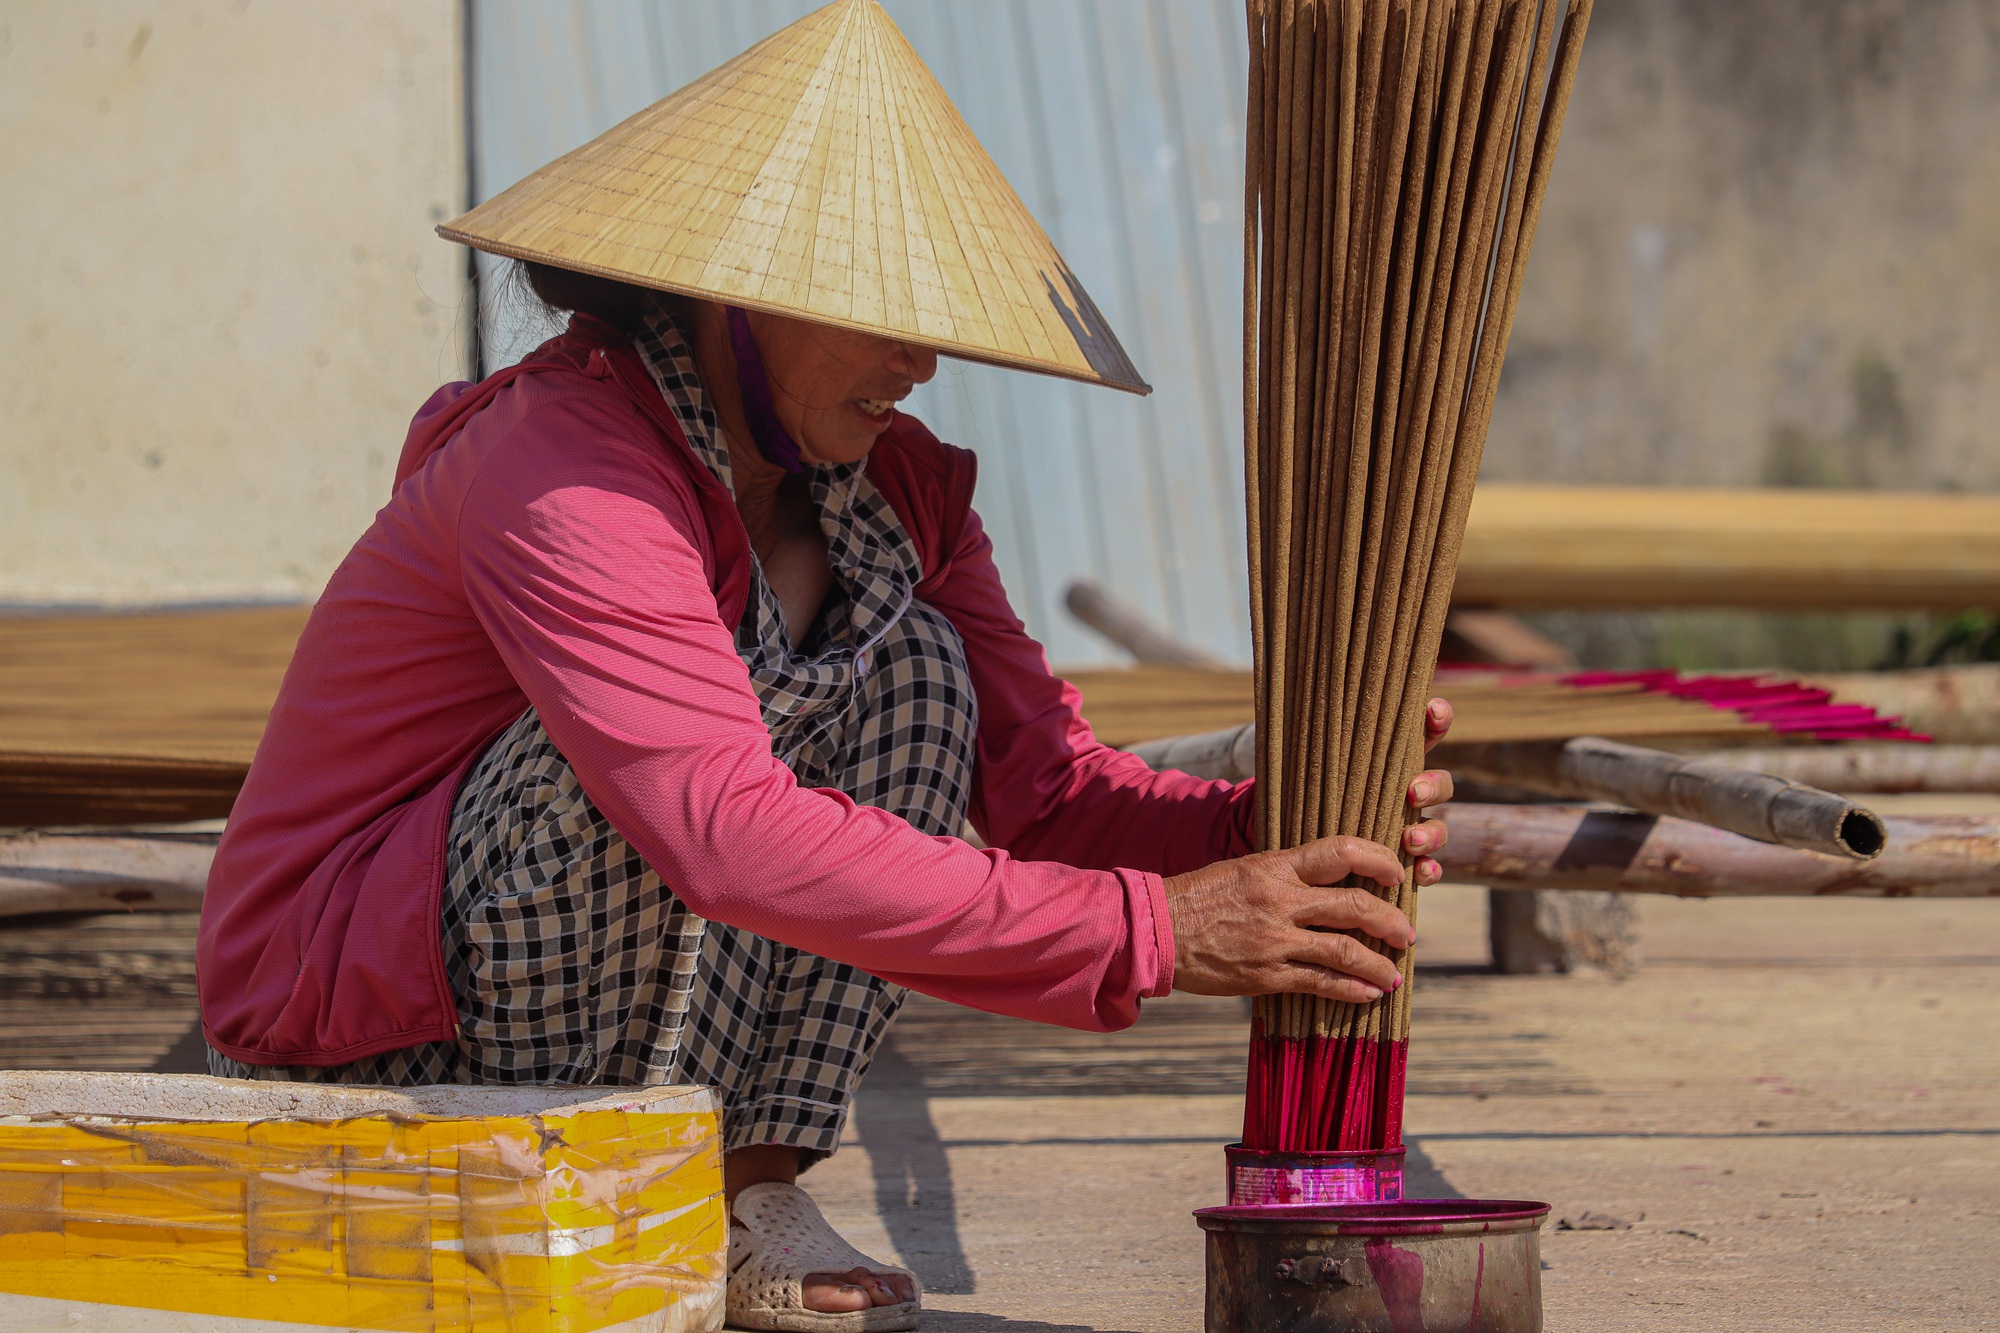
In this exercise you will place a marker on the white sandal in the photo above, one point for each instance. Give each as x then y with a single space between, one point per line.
777 1235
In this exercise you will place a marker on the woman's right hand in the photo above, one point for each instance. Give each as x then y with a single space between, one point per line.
1264 924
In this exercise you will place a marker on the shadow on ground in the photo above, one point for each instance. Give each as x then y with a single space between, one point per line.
1192 1047
1421 1177
1179 1048
938 1050
966 1321
913 1189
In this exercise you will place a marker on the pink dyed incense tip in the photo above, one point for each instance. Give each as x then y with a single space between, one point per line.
1324 1094
1790 707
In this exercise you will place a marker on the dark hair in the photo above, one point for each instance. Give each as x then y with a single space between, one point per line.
619 304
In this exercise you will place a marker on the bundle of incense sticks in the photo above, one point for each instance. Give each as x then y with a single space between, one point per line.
1397 156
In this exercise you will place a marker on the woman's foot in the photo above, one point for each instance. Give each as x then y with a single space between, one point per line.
847 1291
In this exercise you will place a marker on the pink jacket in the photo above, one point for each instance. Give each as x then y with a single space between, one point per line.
552 540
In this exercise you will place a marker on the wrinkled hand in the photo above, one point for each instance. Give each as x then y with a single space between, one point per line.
1431 787
1264 923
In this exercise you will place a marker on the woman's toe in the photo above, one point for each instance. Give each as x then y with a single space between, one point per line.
877 1285
881 1288
837 1293
885 1288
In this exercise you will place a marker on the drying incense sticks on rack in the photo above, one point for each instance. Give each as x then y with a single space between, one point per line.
1131 707
1398 152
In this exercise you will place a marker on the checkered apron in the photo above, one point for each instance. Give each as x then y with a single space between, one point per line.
573 962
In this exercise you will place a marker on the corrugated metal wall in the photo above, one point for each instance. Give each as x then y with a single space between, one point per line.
1120 123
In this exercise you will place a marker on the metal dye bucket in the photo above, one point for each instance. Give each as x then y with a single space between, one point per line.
1259 1179
1419 1266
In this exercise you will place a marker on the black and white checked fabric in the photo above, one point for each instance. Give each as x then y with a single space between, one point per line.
874 563
573 962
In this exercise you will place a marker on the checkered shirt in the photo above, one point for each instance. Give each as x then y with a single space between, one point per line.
573 962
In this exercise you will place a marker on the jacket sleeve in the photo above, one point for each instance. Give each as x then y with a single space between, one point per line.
1044 786
588 580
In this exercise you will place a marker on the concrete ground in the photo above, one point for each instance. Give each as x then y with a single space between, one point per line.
1795 1104
1792 1105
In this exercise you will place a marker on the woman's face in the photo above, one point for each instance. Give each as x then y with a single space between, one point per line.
836 390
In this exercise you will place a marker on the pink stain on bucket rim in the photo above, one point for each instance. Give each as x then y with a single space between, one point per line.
1258 1179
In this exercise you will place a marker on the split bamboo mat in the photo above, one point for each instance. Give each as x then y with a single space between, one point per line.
135 718
1398 152
117 719
1126 708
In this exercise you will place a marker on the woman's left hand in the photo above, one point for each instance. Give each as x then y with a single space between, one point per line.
1431 787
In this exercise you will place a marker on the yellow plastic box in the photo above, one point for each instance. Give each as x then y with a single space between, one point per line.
157 1201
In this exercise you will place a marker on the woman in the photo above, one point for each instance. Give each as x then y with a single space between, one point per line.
631 742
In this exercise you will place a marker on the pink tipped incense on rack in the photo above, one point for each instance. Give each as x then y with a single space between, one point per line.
1398 153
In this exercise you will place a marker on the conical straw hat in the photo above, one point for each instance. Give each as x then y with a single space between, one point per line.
823 174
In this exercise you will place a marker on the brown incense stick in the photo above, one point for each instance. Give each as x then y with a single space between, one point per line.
1397 153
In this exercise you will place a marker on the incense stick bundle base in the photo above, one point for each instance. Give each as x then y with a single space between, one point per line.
1319 1091
1259 1179
1440 1266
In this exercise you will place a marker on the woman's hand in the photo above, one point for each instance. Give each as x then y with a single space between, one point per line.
1431 787
1265 923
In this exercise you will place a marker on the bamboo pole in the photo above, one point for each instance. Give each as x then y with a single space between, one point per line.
1632 547
81 873
1654 782
1955 703
1123 624
1883 767
1504 846
1566 847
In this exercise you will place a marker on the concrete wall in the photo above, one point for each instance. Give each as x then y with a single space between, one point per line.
1771 255
1771 252
220 299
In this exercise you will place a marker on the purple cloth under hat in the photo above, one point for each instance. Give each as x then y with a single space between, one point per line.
773 440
